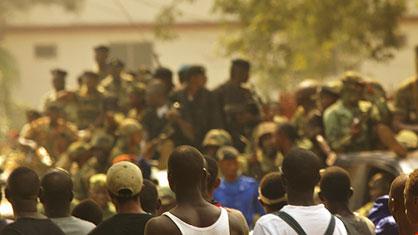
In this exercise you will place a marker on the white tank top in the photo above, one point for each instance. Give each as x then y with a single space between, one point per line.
220 227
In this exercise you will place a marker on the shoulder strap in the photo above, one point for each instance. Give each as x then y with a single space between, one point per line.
291 222
331 226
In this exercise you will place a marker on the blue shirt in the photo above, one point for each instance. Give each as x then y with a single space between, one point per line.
381 217
241 194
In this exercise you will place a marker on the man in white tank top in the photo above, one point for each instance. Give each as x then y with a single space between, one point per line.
193 215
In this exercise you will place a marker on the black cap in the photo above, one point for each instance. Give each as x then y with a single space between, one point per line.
101 48
59 72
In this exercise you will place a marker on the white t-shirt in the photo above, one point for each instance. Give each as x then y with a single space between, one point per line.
73 226
313 219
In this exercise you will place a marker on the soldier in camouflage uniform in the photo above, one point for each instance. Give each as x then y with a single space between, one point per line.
116 85
130 134
214 140
348 127
266 158
90 102
137 103
60 95
51 132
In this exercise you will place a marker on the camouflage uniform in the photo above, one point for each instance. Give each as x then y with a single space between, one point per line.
127 128
339 120
55 139
90 108
215 139
406 101
85 171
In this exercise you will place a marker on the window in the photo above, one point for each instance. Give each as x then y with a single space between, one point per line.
45 51
134 54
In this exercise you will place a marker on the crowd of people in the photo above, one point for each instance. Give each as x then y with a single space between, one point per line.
95 159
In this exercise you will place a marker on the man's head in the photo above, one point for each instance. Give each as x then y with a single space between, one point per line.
272 194
379 185
240 71
183 74
165 75
328 94
305 94
335 188
53 111
301 171
101 54
352 89
156 94
58 79
186 170
264 138
88 210
22 190
286 135
98 190
196 76
90 80
116 68
397 198
213 179
124 182
56 193
150 201
131 131
228 162
411 198
79 152
215 139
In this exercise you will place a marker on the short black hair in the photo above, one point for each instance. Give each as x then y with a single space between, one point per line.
88 210
195 70
185 167
24 184
149 197
101 48
240 63
289 130
213 170
57 187
335 184
301 169
271 188
90 74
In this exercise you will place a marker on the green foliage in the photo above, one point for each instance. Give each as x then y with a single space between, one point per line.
289 40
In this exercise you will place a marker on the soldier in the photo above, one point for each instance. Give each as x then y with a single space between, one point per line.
347 127
115 86
65 98
130 134
101 56
238 105
266 158
51 132
197 103
90 107
137 102
101 147
350 125
215 139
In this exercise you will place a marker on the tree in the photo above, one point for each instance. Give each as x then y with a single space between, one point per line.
9 72
289 40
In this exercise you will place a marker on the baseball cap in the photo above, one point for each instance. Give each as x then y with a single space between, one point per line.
227 153
124 179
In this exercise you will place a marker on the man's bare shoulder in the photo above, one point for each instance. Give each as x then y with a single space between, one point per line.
237 223
161 225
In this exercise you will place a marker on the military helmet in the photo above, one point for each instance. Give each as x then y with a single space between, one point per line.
352 77
263 129
306 91
78 148
128 127
217 137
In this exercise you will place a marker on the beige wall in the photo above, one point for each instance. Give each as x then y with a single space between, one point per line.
75 54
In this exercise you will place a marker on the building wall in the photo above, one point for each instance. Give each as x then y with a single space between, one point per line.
74 53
